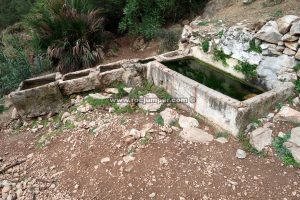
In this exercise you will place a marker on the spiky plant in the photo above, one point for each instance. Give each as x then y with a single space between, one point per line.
71 32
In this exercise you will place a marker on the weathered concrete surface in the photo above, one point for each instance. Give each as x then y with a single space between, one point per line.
37 101
80 81
226 112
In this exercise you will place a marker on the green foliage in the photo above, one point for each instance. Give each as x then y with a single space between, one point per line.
203 23
248 147
70 32
2 108
205 45
247 69
297 86
283 152
169 40
278 13
98 102
222 134
159 120
297 67
219 55
12 11
13 68
278 105
221 33
253 47
144 17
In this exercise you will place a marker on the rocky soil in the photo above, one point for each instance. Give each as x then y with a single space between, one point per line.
96 152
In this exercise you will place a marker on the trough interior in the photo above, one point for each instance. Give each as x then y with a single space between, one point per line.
109 68
213 78
76 75
29 84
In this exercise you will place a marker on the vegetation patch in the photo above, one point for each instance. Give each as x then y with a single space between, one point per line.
222 134
248 147
219 55
254 48
297 67
2 109
247 69
169 40
284 154
159 120
205 45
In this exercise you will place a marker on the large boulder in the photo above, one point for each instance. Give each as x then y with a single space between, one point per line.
260 138
285 23
169 116
270 67
150 102
293 144
288 114
187 122
196 135
269 33
295 29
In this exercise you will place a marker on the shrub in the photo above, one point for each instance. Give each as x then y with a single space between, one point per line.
11 11
247 69
297 86
13 69
253 47
169 40
145 17
205 45
70 32
219 55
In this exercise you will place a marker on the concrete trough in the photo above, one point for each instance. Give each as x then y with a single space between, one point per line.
223 111
80 81
38 96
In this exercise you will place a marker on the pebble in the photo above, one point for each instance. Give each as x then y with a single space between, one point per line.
241 154
105 160
152 195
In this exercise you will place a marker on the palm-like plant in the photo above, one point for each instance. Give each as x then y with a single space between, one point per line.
71 32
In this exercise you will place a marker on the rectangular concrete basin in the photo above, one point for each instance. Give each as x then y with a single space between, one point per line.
38 96
80 81
228 113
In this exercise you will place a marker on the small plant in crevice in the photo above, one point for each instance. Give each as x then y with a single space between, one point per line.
221 34
247 69
243 138
205 45
2 109
159 120
278 105
222 134
285 155
297 67
297 86
219 55
145 140
203 23
253 47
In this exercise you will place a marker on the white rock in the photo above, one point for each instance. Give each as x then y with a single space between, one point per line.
112 90
289 38
294 149
260 138
187 122
295 29
281 134
289 52
297 55
65 115
269 33
15 114
105 160
152 195
285 23
169 116
150 102
288 114
100 96
196 135
127 89
128 158
84 108
295 136
221 140
292 45
163 161
241 154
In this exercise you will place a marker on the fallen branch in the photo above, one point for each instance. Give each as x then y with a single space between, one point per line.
18 162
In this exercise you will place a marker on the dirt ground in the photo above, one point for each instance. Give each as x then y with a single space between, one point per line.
79 163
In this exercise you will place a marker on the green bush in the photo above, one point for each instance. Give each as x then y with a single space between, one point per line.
205 45
247 69
12 11
219 55
145 17
169 40
14 69
72 33
253 47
